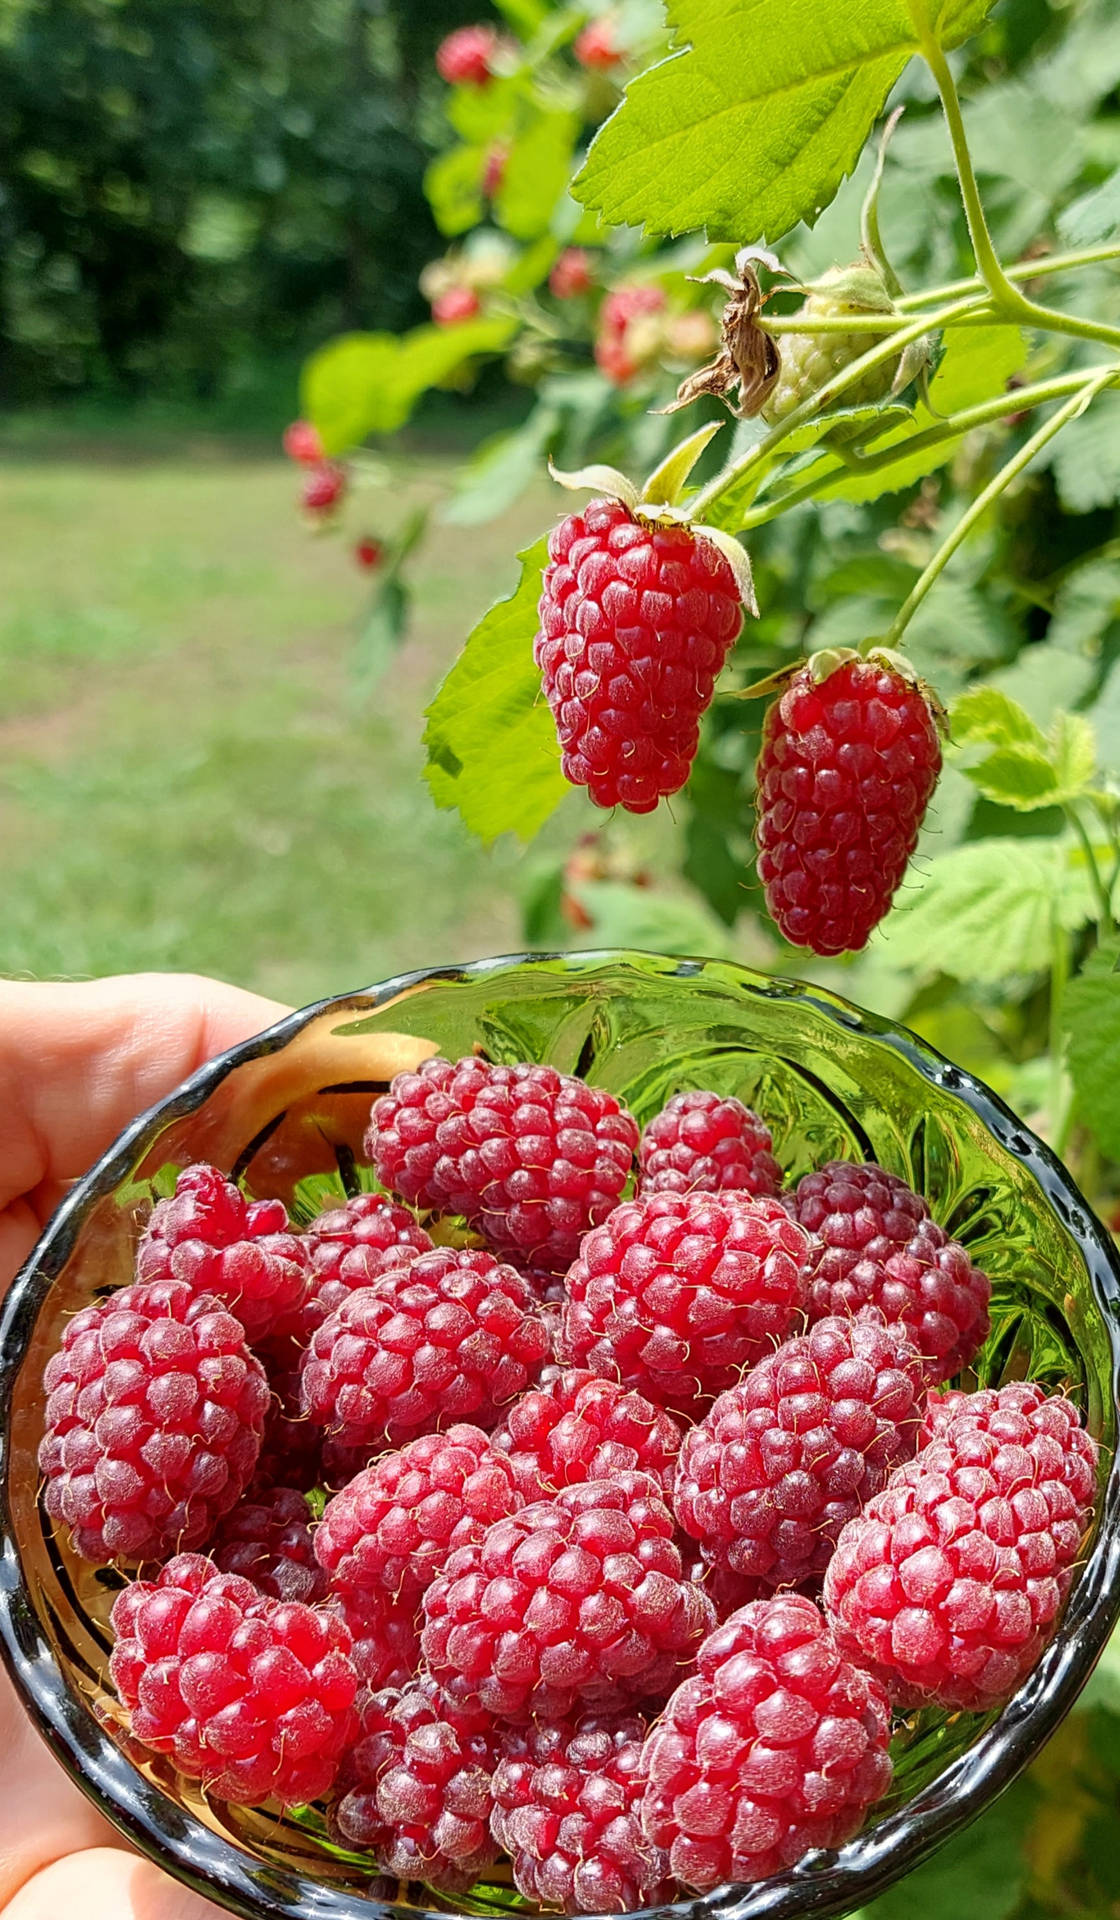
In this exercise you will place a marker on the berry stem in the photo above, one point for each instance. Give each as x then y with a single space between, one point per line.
737 470
1006 297
1096 880
1019 270
982 414
997 485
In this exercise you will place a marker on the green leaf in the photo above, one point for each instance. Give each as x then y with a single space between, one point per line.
342 385
1045 677
754 127
492 749
430 354
501 471
1086 603
985 911
1019 777
382 632
453 186
1074 749
983 713
980 1875
1086 457
1094 216
1091 1015
480 114
976 365
628 916
536 174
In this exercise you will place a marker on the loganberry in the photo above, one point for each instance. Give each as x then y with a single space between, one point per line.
700 1140
576 1426
209 1235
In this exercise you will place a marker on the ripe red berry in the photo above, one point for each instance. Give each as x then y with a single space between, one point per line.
291 1450
636 622
874 1244
369 554
456 305
208 1235
464 58
396 1523
153 1422
268 1541
845 774
571 274
785 1457
577 1601
576 1426
301 442
628 336
777 1745
385 1635
595 47
700 1141
677 1292
950 1582
254 1697
450 1336
349 1247
418 1794
567 1799
324 487
532 1157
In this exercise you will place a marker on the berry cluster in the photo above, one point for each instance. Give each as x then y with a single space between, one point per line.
636 1521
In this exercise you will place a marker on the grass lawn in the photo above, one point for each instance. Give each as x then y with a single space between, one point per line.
188 775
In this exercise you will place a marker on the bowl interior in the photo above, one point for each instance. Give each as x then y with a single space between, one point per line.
289 1117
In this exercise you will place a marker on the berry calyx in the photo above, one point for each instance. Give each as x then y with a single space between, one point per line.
301 442
777 1745
530 1156
704 1143
636 622
571 274
450 309
465 58
153 1421
874 1244
846 771
252 1696
677 1292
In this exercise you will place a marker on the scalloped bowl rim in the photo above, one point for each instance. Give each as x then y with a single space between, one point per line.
823 1884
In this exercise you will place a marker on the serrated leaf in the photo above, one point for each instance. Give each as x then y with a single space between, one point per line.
754 127
986 910
976 365
1045 677
536 174
453 188
983 713
1074 750
1019 777
1093 216
1091 1016
1086 457
1086 603
492 748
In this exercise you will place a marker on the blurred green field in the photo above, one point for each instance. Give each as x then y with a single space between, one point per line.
189 775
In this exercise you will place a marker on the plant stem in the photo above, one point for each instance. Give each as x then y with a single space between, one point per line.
1059 974
1075 405
1104 904
737 470
983 414
1019 270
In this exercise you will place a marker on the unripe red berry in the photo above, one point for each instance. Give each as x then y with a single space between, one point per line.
302 443
456 305
571 274
464 58
324 487
595 47
369 554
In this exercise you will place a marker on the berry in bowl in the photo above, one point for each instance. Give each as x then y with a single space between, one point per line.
586 1433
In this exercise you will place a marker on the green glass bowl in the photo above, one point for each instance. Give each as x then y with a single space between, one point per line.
287 1112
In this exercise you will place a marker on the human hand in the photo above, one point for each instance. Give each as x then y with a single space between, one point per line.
76 1064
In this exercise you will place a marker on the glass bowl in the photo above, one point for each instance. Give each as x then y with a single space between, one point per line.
287 1112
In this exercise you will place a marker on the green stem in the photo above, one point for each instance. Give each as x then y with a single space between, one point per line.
956 424
1019 270
1057 1101
1096 881
979 507
736 470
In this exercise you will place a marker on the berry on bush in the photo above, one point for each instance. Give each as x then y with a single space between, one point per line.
702 1141
595 47
252 1696
567 1798
301 442
874 1244
677 1292
571 274
776 1745
532 1157
456 305
450 1336
576 1426
811 360
629 333
324 487
847 767
949 1584
464 58
349 1247
418 1793
268 1540
636 622
395 1524
576 1601
799 1445
208 1235
153 1421
369 554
